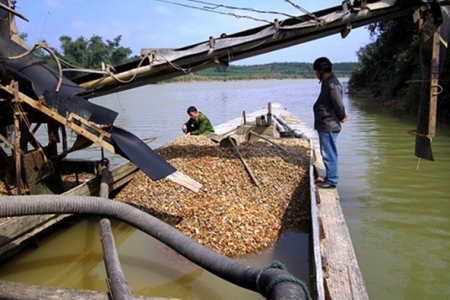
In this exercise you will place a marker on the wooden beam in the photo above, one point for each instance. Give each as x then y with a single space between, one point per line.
434 85
70 122
247 168
17 148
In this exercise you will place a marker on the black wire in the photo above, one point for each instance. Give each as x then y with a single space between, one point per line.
213 8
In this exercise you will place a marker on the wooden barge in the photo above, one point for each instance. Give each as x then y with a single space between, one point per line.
335 271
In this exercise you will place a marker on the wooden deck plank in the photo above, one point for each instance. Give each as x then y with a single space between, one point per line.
342 276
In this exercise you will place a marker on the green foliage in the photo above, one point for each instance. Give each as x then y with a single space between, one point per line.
388 64
88 53
93 52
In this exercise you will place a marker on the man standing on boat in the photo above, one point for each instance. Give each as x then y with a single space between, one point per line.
329 114
198 123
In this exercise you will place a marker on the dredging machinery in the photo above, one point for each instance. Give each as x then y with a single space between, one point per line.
33 94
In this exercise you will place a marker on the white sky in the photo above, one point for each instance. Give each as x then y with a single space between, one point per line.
155 24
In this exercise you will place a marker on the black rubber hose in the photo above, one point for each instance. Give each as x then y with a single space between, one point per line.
271 283
117 284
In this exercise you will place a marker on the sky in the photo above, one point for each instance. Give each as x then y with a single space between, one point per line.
158 24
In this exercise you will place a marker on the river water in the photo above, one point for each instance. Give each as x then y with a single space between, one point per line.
398 216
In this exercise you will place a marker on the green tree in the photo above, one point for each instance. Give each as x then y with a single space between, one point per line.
387 65
118 54
75 52
93 52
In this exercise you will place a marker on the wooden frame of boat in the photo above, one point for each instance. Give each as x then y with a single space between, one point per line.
17 230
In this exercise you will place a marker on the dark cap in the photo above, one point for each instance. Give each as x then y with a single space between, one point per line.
322 64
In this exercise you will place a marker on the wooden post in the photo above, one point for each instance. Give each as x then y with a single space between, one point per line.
434 82
17 150
52 133
64 139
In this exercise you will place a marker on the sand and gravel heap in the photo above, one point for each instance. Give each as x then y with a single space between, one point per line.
230 214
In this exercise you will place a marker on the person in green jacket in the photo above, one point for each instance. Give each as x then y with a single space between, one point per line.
198 123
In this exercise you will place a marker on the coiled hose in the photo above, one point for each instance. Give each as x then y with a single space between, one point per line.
272 283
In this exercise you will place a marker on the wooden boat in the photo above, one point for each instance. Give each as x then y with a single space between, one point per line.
334 266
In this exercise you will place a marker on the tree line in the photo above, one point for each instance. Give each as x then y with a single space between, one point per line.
276 70
87 53
390 67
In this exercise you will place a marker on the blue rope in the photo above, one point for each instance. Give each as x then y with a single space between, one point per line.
280 279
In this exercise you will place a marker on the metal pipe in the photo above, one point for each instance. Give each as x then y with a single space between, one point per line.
277 125
104 182
297 133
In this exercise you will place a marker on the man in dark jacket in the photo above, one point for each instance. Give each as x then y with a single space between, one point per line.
329 113
198 123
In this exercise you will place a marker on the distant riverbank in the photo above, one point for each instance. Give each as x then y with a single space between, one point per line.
288 70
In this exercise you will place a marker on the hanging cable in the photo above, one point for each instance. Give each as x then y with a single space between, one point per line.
215 6
50 51
301 9
213 11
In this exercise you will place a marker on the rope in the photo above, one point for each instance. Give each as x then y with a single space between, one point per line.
280 279
132 77
301 9
53 55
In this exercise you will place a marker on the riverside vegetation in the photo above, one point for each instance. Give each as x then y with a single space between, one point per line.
393 59
276 70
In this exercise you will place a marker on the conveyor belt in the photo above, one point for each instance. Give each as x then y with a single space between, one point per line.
38 79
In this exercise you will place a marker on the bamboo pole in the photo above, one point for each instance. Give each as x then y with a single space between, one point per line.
17 149
243 161
434 82
269 140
